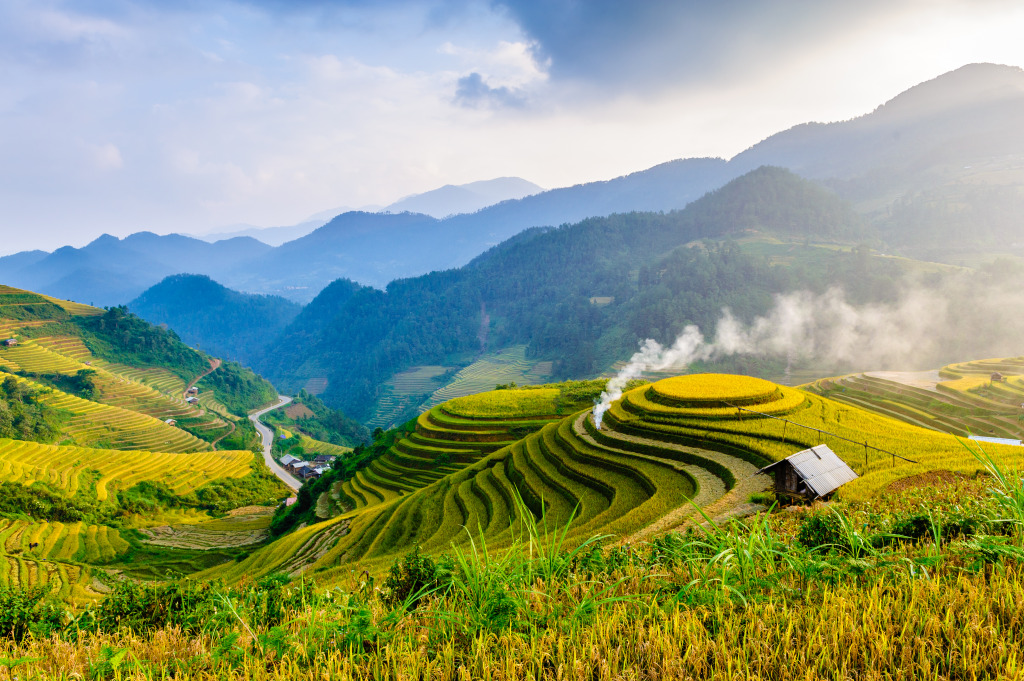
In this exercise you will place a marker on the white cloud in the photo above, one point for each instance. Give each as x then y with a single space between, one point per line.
108 157
226 114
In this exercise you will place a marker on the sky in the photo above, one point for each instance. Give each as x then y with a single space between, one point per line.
118 116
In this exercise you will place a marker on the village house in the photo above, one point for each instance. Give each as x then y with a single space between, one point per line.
297 468
325 458
10 342
288 460
170 422
193 390
810 474
998 377
192 400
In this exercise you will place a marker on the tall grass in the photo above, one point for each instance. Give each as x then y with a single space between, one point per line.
743 600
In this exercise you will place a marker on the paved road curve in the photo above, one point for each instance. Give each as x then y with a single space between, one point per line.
268 442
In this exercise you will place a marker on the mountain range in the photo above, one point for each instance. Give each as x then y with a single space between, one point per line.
941 158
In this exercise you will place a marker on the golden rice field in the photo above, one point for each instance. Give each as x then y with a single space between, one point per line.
60 560
631 478
456 472
68 468
73 308
965 403
161 380
773 439
311 446
119 387
68 346
714 390
653 403
116 428
505 404
9 327
31 356
63 542
208 400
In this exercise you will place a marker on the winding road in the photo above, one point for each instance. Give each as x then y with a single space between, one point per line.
268 442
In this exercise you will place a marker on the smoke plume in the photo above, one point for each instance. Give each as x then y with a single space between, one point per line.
921 328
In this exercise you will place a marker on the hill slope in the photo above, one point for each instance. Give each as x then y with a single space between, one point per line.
660 446
536 289
465 198
936 168
223 322
107 447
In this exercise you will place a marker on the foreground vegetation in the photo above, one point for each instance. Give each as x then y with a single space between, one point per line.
896 588
106 471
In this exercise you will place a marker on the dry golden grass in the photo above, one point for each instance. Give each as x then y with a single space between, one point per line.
964 627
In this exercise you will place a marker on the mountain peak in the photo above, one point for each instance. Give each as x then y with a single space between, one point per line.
465 198
968 85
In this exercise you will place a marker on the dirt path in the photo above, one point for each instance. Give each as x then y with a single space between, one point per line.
230 423
711 496
214 365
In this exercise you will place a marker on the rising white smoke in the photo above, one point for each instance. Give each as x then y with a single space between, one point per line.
804 325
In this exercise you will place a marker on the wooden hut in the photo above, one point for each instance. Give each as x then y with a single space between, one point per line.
811 474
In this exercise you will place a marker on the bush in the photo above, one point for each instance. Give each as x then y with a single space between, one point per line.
920 526
821 530
26 611
190 605
413 577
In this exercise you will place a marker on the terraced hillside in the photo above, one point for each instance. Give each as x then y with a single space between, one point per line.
698 438
312 447
123 414
57 555
444 440
111 420
507 366
961 399
71 469
120 386
870 443
469 460
95 424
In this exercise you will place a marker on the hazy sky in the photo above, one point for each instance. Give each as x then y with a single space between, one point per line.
126 115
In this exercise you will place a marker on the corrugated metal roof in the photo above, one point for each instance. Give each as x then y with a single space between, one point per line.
820 469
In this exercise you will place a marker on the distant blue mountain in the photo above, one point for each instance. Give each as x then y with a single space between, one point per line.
913 164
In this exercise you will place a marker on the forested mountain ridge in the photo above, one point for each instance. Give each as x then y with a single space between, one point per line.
222 322
537 289
938 159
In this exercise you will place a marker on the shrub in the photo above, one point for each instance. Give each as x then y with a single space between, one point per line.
28 610
414 576
821 530
190 605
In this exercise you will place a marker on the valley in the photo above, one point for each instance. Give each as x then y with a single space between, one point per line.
513 508
713 419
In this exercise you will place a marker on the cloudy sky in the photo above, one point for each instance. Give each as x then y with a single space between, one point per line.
191 115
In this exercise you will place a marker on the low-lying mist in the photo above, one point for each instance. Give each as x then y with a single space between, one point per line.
970 315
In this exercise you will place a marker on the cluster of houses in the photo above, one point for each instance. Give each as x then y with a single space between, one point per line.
305 470
192 395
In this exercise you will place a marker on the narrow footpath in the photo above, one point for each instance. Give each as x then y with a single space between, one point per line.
268 442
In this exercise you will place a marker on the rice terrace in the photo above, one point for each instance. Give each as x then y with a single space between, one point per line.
654 341
535 528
